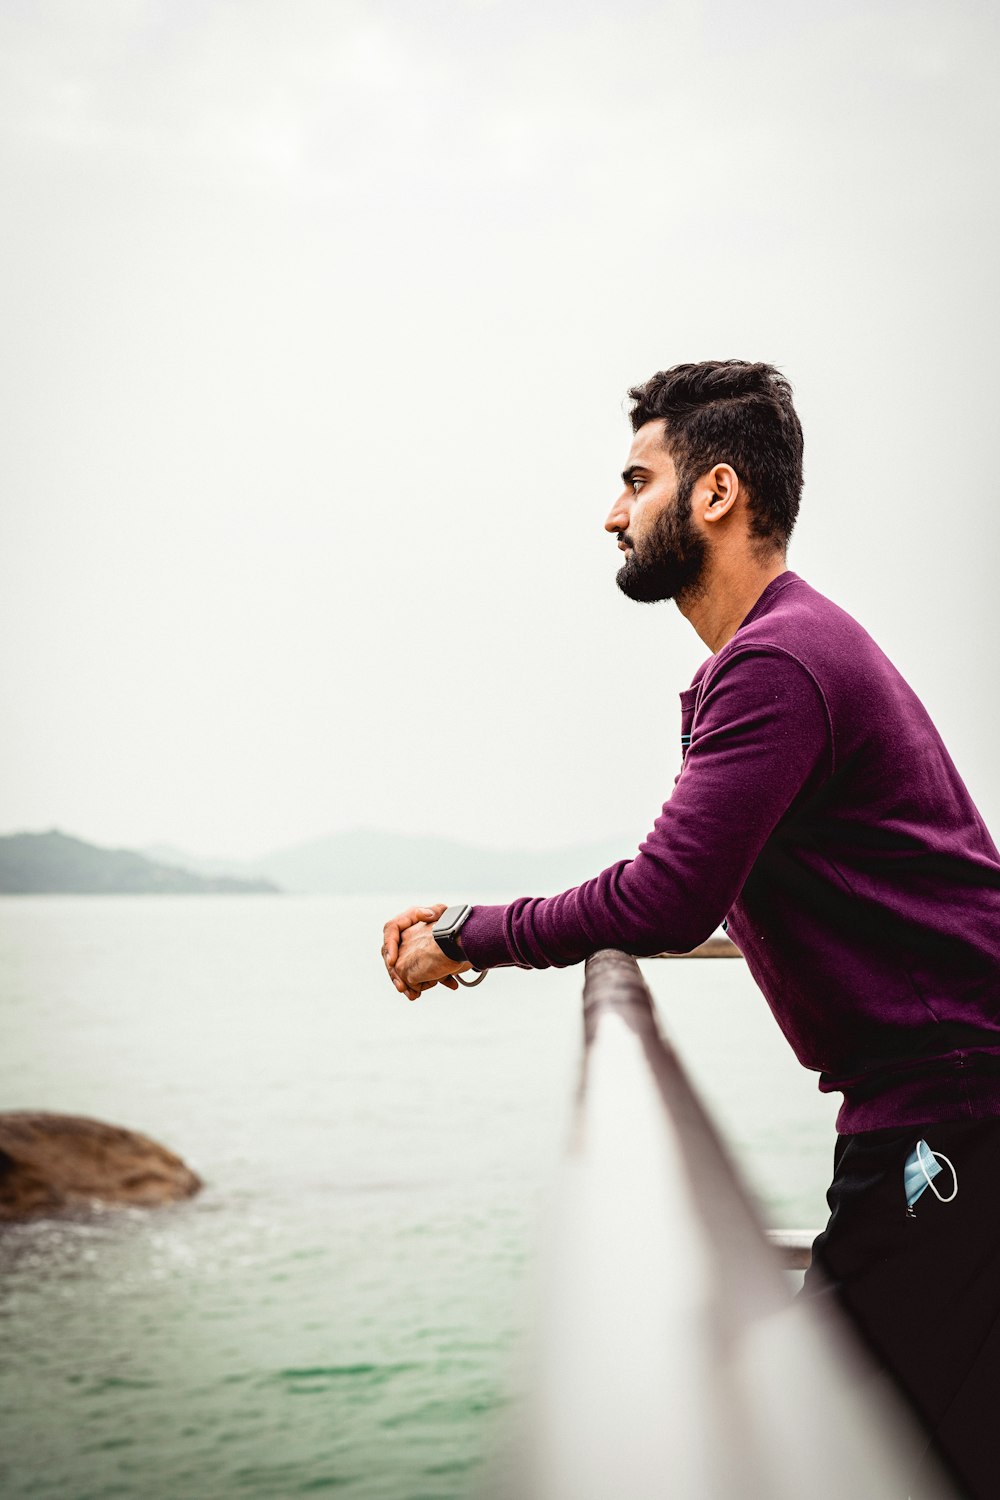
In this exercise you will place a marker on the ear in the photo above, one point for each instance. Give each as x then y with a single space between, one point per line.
721 489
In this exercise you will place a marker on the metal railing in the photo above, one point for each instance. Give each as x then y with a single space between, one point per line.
714 947
670 1358
793 1246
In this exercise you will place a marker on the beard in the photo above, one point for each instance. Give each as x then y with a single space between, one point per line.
670 561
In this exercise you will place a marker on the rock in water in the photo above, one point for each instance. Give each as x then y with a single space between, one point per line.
57 1163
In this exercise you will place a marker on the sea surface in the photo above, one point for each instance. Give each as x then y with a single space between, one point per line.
340 1309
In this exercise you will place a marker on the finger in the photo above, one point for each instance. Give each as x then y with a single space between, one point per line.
415 914
405 985
390 944
394 928
449 983
392 934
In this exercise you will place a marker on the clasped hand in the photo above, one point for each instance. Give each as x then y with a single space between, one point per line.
412 958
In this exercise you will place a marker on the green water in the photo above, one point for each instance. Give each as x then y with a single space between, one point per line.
339 1310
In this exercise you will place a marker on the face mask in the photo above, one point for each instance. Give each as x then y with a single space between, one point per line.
922 1166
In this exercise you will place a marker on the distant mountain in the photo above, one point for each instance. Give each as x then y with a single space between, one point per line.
181 859
54 863
370 860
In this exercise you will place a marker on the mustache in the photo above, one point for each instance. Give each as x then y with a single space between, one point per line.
623 536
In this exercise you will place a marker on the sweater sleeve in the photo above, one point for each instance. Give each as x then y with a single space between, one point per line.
761 736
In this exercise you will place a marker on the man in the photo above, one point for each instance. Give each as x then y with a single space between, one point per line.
817 812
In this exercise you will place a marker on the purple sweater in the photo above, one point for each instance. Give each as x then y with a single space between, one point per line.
818 810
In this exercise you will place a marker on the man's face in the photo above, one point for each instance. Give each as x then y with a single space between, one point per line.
665 553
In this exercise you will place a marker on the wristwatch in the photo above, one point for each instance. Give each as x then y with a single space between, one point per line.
447 932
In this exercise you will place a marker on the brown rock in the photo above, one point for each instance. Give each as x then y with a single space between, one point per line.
58 1163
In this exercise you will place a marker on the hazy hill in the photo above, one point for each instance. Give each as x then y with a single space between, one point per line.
371 860
54 863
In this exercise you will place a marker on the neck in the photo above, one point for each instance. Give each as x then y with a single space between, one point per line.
728 594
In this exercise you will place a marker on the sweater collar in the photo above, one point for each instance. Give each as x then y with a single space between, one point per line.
767 598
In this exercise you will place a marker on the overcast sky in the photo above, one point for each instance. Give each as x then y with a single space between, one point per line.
317 323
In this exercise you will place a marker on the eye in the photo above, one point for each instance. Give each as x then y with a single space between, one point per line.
635 485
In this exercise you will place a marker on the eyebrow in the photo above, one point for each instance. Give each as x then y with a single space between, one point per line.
632 472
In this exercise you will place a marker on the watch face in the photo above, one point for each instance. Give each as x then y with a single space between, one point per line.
450 919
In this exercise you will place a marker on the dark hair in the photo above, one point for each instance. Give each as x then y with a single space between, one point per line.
728 411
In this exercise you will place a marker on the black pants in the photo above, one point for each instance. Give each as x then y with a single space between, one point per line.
924 1291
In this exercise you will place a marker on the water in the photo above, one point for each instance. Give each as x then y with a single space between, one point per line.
339 1309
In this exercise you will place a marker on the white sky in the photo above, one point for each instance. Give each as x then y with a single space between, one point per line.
318 319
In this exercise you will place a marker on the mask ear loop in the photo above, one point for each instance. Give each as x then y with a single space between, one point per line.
938 1156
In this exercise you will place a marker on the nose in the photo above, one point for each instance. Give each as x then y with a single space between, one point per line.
620 513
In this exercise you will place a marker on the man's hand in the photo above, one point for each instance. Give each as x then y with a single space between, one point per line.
412 958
